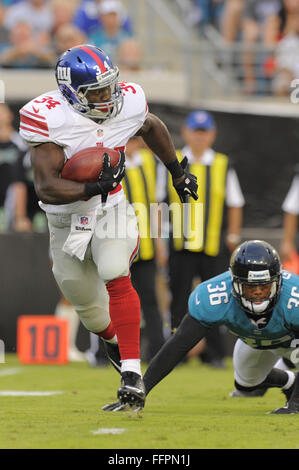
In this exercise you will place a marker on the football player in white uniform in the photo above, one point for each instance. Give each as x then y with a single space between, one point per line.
91 266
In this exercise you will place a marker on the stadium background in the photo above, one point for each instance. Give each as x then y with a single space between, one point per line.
260 134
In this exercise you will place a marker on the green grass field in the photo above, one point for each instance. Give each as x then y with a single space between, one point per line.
190 409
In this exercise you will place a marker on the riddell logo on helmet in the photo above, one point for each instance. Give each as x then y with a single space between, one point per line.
260 275
64 74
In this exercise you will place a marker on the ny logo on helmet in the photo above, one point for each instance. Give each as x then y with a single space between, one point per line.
64 74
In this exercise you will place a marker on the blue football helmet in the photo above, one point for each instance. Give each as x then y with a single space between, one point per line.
86 68
256 263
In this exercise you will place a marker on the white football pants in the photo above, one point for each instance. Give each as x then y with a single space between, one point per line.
251 366
108 257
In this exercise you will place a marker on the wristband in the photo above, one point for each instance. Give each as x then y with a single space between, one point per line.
175 169
92 189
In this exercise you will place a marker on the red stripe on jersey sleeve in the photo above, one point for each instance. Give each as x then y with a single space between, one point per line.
34 131
34 123
32 114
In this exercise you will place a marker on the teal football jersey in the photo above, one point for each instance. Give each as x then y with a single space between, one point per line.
212 303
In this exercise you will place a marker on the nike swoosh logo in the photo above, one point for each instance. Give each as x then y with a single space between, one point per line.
115 175
197 301
35 110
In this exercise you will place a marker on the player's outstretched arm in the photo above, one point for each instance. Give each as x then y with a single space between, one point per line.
189 333
155 134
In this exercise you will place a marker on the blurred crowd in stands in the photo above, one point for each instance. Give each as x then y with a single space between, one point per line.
33 33
267 32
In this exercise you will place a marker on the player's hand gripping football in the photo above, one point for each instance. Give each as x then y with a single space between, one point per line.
111 176
186 185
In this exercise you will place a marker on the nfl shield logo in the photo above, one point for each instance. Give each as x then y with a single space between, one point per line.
99 132
84 220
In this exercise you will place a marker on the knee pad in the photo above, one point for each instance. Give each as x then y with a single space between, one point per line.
114 269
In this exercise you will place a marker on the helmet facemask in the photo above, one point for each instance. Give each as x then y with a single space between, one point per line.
101 110
258 305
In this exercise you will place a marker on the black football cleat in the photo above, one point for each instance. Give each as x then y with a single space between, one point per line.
290 408
117 406
292 404
112 352
258 392
132 390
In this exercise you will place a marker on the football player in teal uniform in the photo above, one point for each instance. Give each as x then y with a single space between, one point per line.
256 301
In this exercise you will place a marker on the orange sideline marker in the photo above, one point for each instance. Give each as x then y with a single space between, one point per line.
42 339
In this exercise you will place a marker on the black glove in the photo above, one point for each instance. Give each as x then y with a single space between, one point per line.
109 178
188 185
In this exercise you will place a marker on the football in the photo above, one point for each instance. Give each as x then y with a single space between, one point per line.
86 165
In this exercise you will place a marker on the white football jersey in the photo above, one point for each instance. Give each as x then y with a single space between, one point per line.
50 118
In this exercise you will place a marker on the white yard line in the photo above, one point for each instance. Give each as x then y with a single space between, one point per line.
108 431
10 371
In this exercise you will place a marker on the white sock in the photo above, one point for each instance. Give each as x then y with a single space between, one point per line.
290 381
131 365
